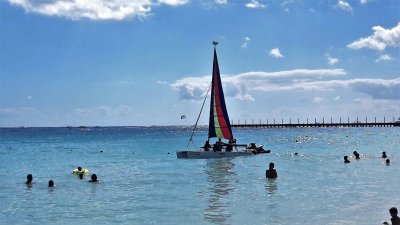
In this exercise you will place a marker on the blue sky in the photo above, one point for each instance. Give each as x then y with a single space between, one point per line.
147 62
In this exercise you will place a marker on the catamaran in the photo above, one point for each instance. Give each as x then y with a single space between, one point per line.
219 126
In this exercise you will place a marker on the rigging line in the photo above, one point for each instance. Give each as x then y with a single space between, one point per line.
195 125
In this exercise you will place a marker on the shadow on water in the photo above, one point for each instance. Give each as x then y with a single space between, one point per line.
219 176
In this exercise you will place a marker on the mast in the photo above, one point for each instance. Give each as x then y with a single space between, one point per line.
219 125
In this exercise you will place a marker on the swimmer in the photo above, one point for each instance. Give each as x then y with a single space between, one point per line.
395 219
356 155
94 178
387 162
51 183
384 155
271 172
346 159
29 179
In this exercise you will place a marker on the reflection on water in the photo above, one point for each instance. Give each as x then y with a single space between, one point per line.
220 174
271 186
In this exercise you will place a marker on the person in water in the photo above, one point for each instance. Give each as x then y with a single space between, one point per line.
94 178
355 153
207 146
81 176
346 159
395 219
29 179
271 172
384 156
387 162
51 183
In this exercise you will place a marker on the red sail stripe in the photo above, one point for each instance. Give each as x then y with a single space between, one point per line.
221 119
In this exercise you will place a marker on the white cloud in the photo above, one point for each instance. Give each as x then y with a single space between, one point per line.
120 111
363 1
318 99
221 2
331 60
380 39
95 9
241 86
385 57
246 42
276 53
162 82
337 98
254 4
344 5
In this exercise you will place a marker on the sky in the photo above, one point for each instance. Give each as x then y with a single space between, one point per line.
148 62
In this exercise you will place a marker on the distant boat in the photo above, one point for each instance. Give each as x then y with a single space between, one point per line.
219 126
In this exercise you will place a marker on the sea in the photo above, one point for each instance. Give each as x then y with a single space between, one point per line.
142 181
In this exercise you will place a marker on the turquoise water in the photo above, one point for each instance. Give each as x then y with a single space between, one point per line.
142 182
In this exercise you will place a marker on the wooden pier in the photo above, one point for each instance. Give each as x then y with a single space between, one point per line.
357 123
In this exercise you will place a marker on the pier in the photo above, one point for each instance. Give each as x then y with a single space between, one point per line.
322 123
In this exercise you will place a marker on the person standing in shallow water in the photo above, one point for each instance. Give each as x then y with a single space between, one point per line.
271 172
94 178
395 219
51 183
355 153
29 179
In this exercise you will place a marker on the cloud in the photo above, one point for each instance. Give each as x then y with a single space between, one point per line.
246 42
120 111
385 57
318 99
275 53
95 9
221 2
332 60
241 86
337 98
344 5
162 82
254 4
363 1
380 39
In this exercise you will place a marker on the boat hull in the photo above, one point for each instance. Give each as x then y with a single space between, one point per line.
210 154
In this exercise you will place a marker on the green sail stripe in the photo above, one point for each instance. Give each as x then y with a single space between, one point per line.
217 127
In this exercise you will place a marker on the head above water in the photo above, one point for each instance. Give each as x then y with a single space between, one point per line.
29 178
94 177
271 165
387 161
51 183
79 168
393 211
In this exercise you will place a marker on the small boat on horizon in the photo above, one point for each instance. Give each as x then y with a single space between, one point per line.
219 126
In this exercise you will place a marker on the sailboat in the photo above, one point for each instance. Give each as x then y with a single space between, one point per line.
219 126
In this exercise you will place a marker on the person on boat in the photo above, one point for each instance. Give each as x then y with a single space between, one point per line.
93 178
29 179
207 146
51 183
346 159
229 147
393 213
271 172
218 145
384 156
387 162
355 153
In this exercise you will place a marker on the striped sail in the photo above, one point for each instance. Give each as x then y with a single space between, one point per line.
219 125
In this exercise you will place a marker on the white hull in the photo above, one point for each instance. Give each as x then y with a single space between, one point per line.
211 154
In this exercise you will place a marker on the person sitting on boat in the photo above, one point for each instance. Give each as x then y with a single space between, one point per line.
229 147
207 146
218 145
346 159
355 153
271 172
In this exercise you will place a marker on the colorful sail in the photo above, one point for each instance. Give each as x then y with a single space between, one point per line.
219 125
